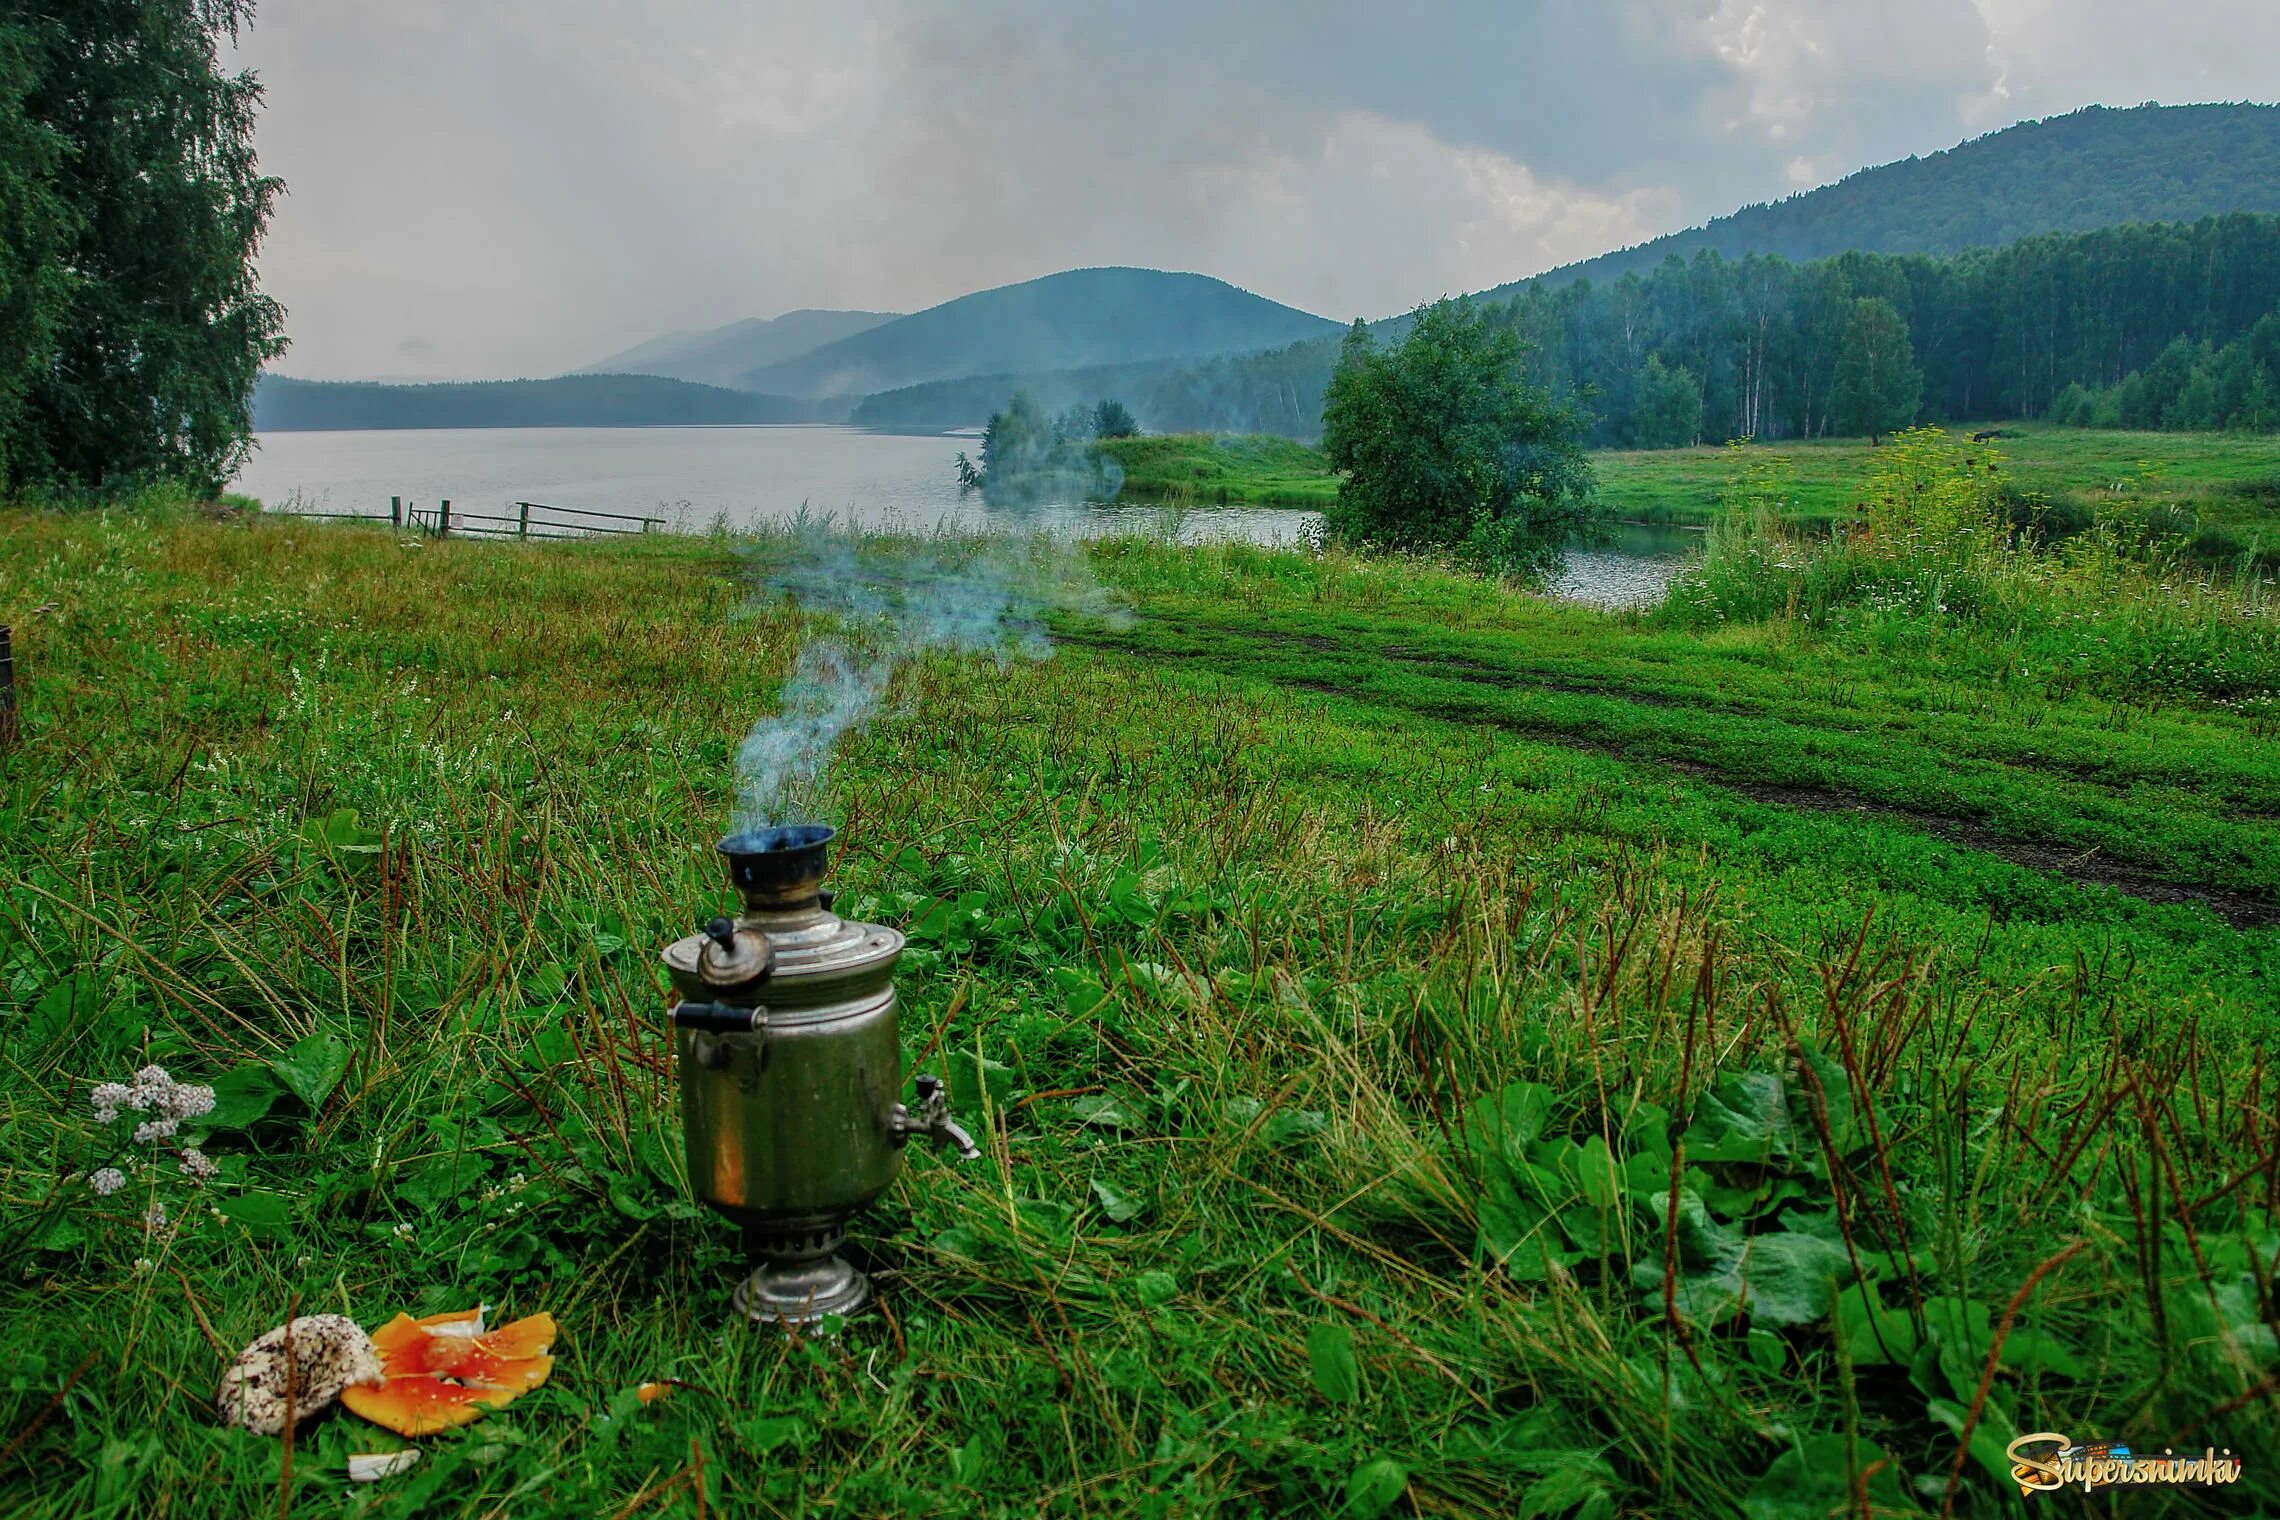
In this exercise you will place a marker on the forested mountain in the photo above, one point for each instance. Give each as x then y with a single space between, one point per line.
1995 333
1079 319
719 355
284 406
2097 167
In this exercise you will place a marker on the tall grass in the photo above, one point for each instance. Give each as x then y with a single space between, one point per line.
1371 1126
1932 552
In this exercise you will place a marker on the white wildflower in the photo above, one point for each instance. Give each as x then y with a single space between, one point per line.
154 1129
107 1181
403 1231
197 1165
109 1098
154 1217
144 1266
152 1085
189 1100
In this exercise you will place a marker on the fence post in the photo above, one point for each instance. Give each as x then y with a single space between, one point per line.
443 520
523 530
396 513
9 733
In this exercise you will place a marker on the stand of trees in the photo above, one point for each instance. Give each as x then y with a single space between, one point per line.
1028 458
1783 350
2191 387
131 326
1445 444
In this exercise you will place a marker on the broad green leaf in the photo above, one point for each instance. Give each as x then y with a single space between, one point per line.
1791 1277
266 1216
1501 1126
434 1183
765 1433
1744 1118
971 1462
243 1096
313 1067
1120 1206
1293 1124
1517 1232
1373 1487
1875 1335
341 832
1081 991
1330 1354
1579 1486
1105 1111
69 1001
1813 1481
1990 1439
971 1076
1048 1217
1597 1174
1156 1288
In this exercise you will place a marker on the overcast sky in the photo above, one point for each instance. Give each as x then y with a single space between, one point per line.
480 188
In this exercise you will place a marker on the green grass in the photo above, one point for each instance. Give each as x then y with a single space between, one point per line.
1338 957
1254 469
2227 485
2231 481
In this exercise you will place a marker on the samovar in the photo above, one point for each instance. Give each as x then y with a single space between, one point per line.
791 1073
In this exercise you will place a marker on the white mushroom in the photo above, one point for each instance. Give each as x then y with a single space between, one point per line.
328 1353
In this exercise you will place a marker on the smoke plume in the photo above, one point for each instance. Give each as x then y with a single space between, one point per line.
883 602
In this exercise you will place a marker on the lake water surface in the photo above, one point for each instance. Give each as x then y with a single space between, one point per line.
750 476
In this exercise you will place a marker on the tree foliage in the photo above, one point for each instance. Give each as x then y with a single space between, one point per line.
1877 387
1666 407
1113 419
1446 444
1029 458
131 324
2190 387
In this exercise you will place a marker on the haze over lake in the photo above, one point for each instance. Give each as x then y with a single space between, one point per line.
758 475
688 475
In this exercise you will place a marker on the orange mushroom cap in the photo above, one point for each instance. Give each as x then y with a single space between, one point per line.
444 1370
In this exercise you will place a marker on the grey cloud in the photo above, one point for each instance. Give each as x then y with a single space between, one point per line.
528 185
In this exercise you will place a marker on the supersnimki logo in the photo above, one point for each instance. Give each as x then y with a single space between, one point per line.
2046 1460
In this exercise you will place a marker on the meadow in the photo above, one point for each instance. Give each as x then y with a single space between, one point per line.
2228 485
1256 469
1436 1050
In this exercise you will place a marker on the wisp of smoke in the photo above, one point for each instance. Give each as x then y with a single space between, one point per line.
891 600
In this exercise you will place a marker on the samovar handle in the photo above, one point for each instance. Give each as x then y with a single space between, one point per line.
720 1018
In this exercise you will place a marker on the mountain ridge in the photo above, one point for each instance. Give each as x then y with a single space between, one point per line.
1075 319
717 355
2215 159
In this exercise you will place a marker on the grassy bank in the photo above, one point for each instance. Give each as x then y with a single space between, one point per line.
1250 469
1340 959
2230 481
2227 487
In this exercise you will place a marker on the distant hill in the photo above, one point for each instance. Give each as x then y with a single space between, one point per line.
2096 167
717 356
1083 318
281 405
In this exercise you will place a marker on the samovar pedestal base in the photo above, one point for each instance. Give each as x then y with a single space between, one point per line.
801 1277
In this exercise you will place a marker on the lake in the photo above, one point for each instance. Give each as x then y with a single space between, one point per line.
748 476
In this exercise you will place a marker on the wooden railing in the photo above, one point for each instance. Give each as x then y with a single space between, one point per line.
531 519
